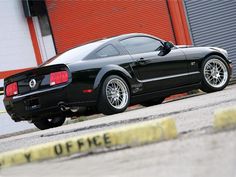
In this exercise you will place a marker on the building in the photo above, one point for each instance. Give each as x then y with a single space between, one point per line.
34 31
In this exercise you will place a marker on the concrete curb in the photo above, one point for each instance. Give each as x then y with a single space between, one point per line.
225 118
128 136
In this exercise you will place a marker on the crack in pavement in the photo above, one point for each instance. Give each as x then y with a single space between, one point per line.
135 120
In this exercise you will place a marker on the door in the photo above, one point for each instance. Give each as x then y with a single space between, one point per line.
156 72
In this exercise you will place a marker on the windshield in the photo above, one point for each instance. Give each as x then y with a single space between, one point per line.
75 54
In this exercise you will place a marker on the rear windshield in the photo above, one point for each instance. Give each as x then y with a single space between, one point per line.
75 54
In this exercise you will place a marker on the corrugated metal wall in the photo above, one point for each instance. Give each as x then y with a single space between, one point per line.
213 23
76 22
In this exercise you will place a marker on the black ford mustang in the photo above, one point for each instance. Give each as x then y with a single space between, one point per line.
109 75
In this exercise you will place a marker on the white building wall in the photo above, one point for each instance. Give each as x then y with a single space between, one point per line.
16 52
1 83
16 49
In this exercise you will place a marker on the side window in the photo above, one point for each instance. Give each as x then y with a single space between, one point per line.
141 44
107 51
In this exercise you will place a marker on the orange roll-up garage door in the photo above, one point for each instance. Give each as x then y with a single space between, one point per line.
76 22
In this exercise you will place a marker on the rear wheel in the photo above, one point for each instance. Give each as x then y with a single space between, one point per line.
153 102
215 73
44 124
114 96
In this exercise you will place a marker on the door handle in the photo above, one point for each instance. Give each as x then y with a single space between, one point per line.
142 61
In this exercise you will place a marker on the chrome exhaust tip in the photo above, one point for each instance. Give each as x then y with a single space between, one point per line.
64 108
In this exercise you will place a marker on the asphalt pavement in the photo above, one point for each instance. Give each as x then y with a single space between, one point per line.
7 125
198 150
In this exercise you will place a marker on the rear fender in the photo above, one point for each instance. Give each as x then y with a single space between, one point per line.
109 69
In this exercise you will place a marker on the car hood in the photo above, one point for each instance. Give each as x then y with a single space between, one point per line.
217 49
184 46
212 49
223 51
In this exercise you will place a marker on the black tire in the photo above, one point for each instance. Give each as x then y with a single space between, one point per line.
153 102
44 124
210 77
105 104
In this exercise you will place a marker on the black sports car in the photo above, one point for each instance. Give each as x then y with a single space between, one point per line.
109 75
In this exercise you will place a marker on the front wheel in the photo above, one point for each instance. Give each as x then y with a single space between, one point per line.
44 124
114 95
215 74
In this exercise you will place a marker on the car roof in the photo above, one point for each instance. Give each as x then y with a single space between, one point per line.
107 40
125 36
72 53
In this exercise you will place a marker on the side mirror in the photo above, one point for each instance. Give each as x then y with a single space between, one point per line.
168 45
166 48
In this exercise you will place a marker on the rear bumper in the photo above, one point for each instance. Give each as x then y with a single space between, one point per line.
35 105
39 105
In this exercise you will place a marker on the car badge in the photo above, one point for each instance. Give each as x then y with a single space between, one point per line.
32 83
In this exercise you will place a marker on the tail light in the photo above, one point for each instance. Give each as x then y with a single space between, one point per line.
58 77
12 89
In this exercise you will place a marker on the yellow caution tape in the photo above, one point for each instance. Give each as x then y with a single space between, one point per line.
128 136
225 118
1 112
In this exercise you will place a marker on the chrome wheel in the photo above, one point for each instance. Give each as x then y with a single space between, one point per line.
117 93
215 73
